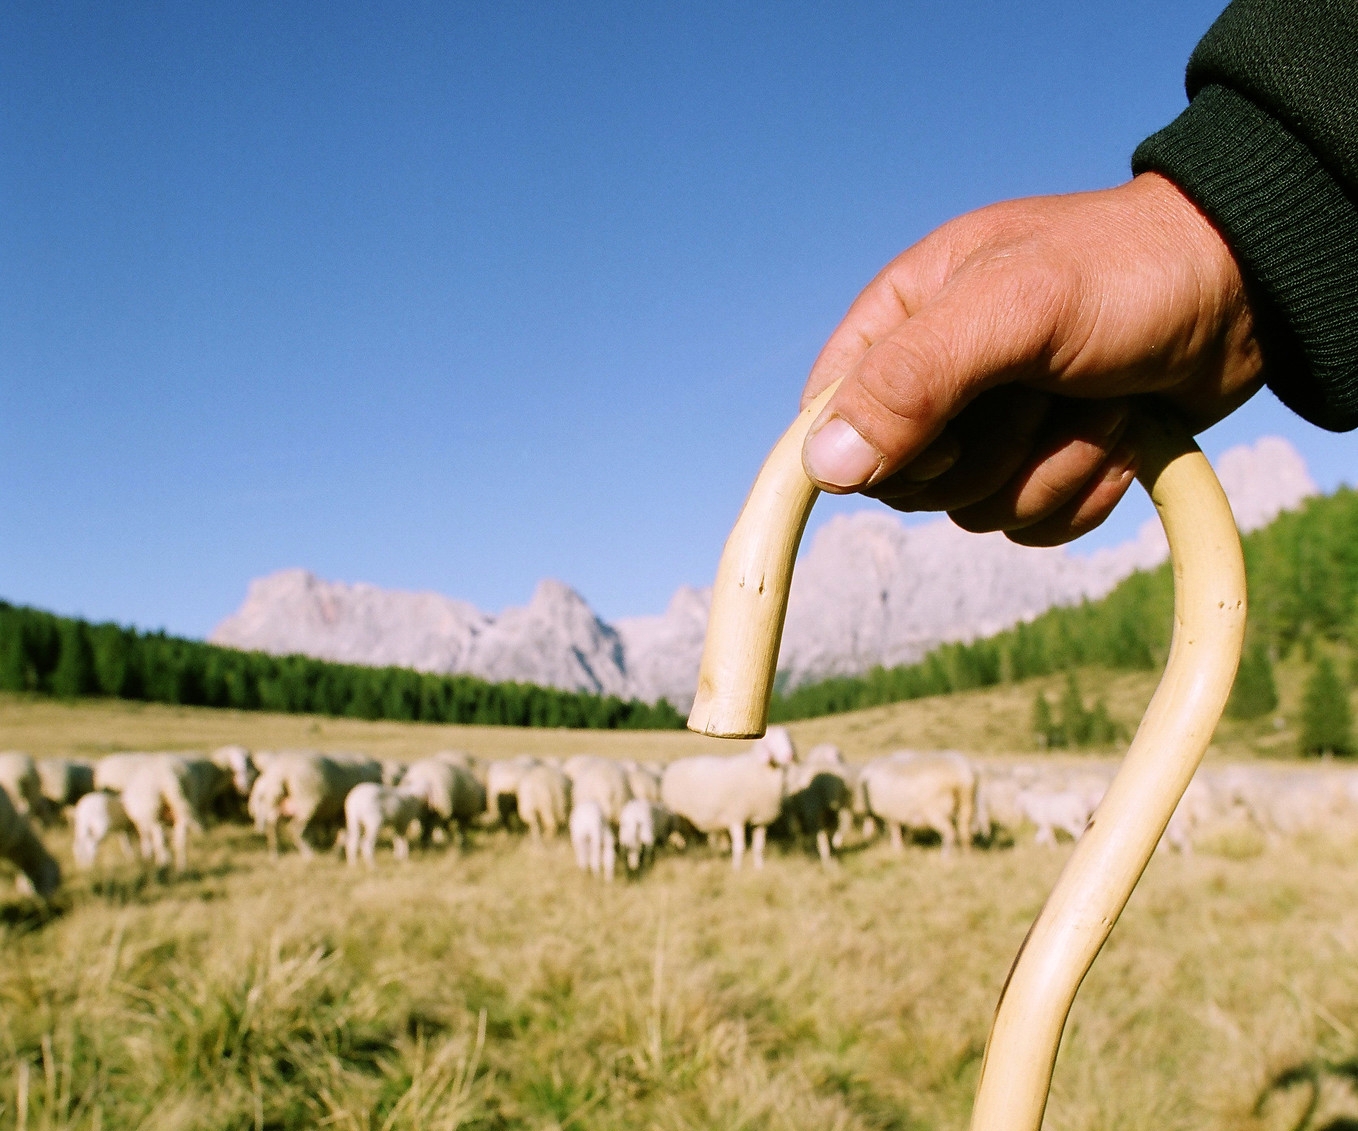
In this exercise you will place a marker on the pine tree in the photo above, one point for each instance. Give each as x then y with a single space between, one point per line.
1044 726
74 675
1254 693
1326 721
1075 720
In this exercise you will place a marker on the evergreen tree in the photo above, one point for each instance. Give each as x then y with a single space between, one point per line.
1326 721
1075 720
74 674
1254 693
1044 726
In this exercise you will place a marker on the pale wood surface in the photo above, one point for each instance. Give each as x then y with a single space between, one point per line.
741 651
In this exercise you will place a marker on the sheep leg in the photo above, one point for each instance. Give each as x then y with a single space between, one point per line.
400 846
610 851
843 825
351 843
823 848
181 845
159 852
369 845
757 844
737 846
893 829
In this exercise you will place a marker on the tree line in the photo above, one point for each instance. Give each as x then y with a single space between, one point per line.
70 658
1303 585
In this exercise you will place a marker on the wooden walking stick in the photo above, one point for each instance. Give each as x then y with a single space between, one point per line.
749 601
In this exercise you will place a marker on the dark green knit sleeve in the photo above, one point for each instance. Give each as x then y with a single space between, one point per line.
1268 149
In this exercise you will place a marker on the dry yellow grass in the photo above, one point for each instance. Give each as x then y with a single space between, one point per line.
494 988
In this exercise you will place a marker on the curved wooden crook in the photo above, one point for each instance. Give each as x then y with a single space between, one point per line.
749 602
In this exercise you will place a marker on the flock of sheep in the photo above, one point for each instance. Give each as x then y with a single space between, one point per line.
608 806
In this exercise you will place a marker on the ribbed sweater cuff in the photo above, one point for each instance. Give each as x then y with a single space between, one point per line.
1294 233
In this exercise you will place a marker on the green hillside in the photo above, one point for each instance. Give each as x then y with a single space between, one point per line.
1303 585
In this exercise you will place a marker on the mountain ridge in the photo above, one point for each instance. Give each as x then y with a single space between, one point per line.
867 591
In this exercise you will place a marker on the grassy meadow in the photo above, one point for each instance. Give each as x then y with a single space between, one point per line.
492 987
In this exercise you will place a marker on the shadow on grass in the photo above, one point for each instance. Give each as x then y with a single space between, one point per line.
32 914
1310 1074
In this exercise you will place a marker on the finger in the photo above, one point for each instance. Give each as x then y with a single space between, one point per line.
1089 507
993 322
1077 441
902 287
995 435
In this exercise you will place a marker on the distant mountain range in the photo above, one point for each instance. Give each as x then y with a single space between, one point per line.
869 590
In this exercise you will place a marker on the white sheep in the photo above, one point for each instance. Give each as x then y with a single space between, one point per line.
94 817
921 790
643 825
543 800
157 790
502 786
237 763
592 839
745 790
308 789
370 806
64 781
449 791
19 779
600 780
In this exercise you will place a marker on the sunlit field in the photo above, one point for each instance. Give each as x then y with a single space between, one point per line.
493 987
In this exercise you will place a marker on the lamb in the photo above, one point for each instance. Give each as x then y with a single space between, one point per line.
592 839
64 781
642 826
158 788
309 789
543 800
94 817
19 779
715 793
450 792
930 790
368 807
20 845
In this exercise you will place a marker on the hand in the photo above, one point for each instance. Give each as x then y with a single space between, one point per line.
988 370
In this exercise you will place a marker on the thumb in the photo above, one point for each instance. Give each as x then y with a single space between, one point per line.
993 322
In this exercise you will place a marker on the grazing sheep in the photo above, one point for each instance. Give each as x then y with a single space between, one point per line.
64 781
544 800
460 758
643 825
368 807
913 790
19 779
113 771
20 845
592 839
1054 810
309 789
643 782
160 790
449 791
502 787
94 817
236 762
715 793
600 780
817 798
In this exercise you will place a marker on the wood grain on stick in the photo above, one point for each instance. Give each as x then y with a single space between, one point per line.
749 603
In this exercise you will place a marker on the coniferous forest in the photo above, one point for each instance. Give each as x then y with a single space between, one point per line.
1303 593
1303 584
69 658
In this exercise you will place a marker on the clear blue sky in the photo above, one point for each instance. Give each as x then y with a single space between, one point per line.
456 297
